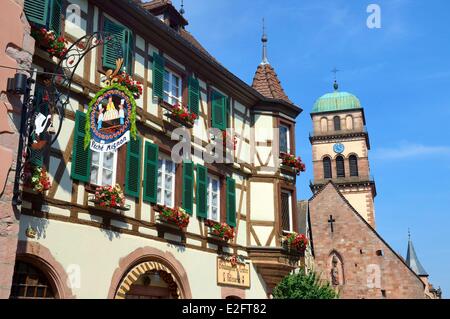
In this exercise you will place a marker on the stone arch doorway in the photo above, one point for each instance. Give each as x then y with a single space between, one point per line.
148 280
147 261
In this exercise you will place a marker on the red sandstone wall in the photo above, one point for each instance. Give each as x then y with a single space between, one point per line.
352 236
16 50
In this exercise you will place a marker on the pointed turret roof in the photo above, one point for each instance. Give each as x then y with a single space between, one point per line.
266 79
412 261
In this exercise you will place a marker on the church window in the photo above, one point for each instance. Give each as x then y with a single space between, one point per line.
103 168
284 139
286 210
213 198
323 124
337 123
340 169
349 122
327 168
172 88
166 182
29 282
353 161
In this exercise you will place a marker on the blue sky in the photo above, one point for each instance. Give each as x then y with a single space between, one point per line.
401 74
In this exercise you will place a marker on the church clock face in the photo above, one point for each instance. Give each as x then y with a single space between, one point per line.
338 148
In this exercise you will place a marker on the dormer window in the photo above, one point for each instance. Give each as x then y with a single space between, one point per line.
161 17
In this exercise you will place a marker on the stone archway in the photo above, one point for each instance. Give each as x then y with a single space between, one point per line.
41 257
143 261
143 271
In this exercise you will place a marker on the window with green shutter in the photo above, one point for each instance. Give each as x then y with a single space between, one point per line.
54 22
121 46
231 202
218 110
194 95
158 75
188 186
37 11
37 157
133 172
81 157
45 13
151 172
201 194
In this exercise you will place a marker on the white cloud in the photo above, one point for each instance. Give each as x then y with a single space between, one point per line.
411 151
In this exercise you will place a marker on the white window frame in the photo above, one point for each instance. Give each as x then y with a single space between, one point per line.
288 137
291 219
171 99
209 192
99 179
161 186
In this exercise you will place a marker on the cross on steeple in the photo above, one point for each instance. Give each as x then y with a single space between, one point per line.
335 71
331 220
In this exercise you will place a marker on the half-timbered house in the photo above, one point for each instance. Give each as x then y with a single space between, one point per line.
72 246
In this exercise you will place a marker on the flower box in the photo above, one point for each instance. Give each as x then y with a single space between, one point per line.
293 162
220 231
47 40
109 197
294 242
172 217
179 113
35 178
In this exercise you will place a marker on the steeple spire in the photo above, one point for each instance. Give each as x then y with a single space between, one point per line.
412 260
264 40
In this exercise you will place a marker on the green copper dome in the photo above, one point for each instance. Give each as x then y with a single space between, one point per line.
336 101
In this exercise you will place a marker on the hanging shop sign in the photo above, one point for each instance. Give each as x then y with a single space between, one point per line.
111 119
233 273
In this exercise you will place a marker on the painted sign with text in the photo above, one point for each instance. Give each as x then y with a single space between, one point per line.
111 119
231 273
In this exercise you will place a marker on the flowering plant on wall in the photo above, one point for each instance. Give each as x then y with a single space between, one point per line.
296 241
222 230
36 178
182 113
292 161
135 87
47 39
109 196
177 216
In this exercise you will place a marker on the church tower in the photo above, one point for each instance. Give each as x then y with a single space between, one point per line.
340 150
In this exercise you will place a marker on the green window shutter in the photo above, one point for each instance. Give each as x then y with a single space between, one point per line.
151 172
201 195
37 11
54 22
128 51
218 110
39 96
188 186
194 95
37 157
110 50
133 172
81 157
158 75
231 202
